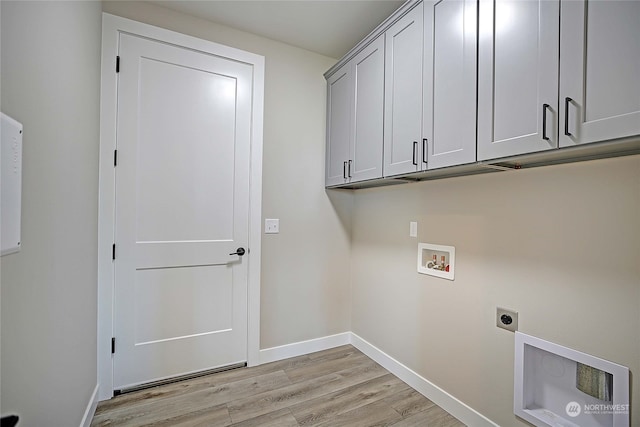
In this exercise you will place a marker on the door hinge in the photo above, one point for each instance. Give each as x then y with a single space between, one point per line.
113 345
117 64
115 158
113 251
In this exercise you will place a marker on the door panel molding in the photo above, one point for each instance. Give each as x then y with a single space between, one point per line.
112 27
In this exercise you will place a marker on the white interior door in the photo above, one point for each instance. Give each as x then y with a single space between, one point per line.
182 207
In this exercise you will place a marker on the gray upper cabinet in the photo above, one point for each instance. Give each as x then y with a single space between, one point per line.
453 87
599 71
594 48
517 77
368 112
355 106
339 102
403 94
449 88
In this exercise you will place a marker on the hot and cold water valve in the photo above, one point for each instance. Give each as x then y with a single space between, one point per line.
437 260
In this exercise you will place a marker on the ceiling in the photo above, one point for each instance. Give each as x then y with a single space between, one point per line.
328 27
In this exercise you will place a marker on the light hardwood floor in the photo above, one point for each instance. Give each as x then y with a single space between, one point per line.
336 387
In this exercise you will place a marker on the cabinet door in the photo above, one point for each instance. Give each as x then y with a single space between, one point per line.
517 77
368 110
599 71
339 102
449 123
403 94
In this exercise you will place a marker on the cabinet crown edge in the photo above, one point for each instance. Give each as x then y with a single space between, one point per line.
380 29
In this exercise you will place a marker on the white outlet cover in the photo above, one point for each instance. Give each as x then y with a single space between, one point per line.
271 226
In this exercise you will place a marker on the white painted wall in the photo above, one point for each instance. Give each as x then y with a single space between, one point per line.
558 244
305 269
50 79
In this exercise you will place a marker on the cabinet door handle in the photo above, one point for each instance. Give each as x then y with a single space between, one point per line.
344 170
567 100
415 150
424 150
544 122
349 174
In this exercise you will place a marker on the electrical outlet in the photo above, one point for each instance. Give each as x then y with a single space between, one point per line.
507 319
271 226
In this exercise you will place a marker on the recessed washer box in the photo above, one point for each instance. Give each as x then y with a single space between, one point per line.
558 386
437 260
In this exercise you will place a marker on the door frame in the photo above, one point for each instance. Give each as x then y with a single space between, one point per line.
112 26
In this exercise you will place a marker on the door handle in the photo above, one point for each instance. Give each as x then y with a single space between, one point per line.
415 149
349 168
239 252
567 100
425 141
344 170
544 122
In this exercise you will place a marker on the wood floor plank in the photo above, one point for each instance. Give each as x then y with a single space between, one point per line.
217 416
336 387
409 402
348 348
303 391
376 414
318 410
417 420
363 371
433 416
280 418
199 383
157 414
320 366
247 408
450 421
285 364
154 410
438 417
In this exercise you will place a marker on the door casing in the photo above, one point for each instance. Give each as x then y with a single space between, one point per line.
112 26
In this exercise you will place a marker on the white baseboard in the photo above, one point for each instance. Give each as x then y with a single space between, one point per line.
91 409
431 391
304 347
